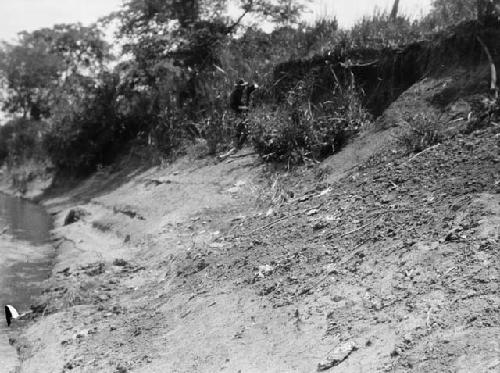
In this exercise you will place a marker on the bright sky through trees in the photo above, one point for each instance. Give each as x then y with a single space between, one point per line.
19 15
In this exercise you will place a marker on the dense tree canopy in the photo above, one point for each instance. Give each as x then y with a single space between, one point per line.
445 12
189 32
177 67
47 62
30 72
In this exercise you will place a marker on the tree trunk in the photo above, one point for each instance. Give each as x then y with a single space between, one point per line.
395 10
186 11
480 10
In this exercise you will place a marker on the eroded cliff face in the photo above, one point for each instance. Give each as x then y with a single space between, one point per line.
379 259
386 263
384 74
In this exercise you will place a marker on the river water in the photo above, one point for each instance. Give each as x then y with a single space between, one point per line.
25 261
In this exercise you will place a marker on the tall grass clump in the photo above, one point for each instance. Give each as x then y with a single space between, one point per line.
298 130
421 132
380 30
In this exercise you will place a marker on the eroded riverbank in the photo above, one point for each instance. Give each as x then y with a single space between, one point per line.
26 258
203 267
377 260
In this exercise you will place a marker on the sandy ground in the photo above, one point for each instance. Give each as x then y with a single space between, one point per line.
388 262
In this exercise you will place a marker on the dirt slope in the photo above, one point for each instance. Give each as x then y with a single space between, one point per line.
388 263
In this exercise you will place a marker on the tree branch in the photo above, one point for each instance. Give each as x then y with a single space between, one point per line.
248 8
395 10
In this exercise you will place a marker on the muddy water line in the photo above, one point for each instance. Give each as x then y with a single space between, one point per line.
26 259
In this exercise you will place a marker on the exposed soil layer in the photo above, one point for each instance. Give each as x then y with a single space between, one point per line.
376 260
387 263
384 74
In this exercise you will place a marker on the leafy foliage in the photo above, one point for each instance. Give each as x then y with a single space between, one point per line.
30 73
381 30
179 62
88 132
298 131
47 62
180 56
446 13
20 140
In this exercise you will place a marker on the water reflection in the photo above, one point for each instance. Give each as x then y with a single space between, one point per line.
24 220
25 261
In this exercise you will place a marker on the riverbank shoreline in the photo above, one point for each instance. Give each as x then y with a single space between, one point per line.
384 258
112 238
28 181
25 264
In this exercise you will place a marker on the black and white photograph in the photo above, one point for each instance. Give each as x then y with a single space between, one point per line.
249 186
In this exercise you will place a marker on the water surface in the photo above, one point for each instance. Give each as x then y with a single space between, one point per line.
25 261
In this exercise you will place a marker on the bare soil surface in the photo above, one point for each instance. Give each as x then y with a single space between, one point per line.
388 263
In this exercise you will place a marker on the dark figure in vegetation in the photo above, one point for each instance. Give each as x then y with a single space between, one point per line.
239 102
236 98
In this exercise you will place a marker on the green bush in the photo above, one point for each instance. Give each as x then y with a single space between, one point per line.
175 87
380 31
421 132
20 140
5 136
89 132
218 131
297 131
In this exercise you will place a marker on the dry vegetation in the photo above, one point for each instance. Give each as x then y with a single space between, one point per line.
168 100
381 258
